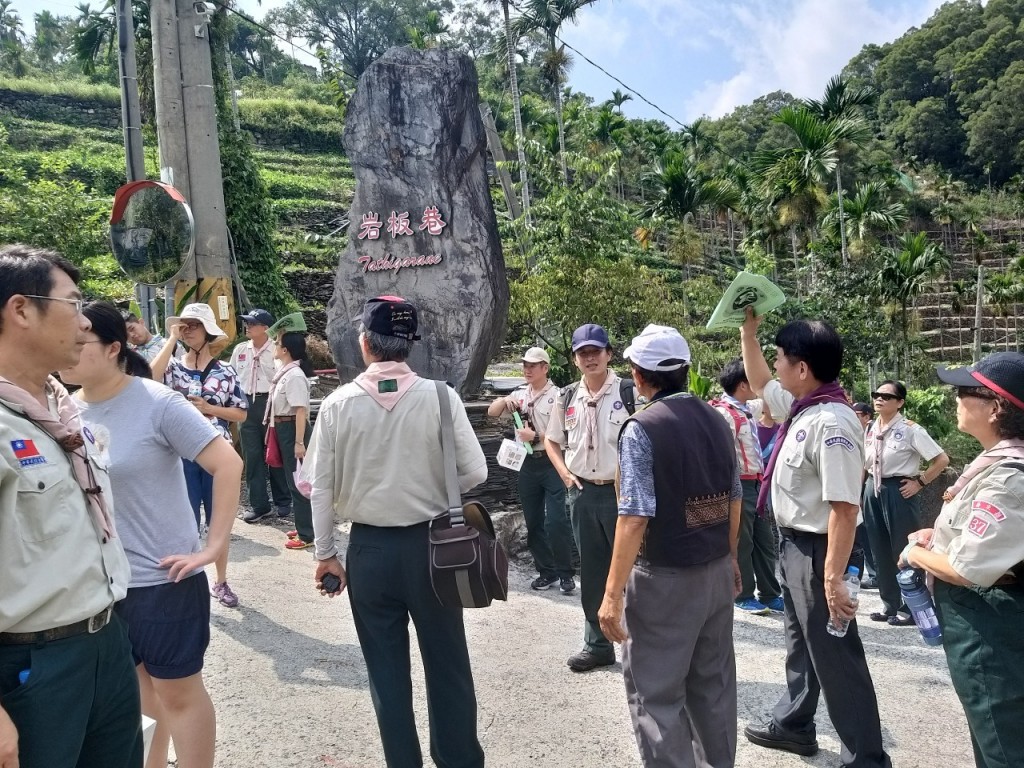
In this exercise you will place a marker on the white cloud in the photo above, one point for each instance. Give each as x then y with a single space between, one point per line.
602 31
794 45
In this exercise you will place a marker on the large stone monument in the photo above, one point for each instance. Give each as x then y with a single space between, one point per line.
422 224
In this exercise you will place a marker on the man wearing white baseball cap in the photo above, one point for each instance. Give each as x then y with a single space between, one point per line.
541 490
675 559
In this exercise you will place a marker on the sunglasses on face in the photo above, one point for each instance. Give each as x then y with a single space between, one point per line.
884 396
976 392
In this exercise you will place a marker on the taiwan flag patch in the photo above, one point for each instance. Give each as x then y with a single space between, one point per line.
26 453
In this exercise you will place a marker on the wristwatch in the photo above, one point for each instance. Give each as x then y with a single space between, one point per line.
920 479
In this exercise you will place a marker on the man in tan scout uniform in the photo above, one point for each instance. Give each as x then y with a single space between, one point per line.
585 422
541 491
68 691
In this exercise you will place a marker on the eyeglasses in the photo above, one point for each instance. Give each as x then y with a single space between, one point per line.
884 396
192 326
78 303
976 392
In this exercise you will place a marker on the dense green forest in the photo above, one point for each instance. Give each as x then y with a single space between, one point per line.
890 204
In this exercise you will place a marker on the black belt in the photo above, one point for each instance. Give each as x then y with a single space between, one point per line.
597 482
792 533
537 455
91 625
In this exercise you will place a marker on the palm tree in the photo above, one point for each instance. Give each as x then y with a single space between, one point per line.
47 40
841 101
1004 292
547 16
868 212
905 272
517 106
618 99
10 24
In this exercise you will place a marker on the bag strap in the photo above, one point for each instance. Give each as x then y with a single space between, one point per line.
451 476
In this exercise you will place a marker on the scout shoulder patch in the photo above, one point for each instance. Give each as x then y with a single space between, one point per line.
978 525
993 511
840 441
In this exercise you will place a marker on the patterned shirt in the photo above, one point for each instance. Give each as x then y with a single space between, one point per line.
220 388
636 470
151 348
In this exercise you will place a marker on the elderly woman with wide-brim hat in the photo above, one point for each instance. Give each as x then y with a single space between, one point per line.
976 555
221 400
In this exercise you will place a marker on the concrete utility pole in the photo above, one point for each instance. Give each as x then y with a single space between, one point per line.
186 118
131 117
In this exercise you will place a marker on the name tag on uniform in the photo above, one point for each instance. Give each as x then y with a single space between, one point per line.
388 385
571 417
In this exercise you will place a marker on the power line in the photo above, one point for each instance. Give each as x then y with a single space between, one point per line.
266 29
597 66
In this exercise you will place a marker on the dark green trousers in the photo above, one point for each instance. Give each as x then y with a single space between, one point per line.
299 503
389 583
889 519
80 706
983 634
595 511
756 553
251 435
548 535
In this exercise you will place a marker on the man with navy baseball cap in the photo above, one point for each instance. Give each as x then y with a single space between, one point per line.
585 424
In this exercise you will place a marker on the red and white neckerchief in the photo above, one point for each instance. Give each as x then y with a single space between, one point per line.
879 446
269 410
529 403
592 403
256 364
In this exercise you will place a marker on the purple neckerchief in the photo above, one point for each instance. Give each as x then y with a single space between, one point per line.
826 393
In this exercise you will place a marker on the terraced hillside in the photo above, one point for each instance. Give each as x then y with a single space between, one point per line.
78 136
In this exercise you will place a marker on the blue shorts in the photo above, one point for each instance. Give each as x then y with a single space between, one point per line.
169 626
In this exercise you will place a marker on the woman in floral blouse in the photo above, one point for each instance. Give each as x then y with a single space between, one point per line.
221 401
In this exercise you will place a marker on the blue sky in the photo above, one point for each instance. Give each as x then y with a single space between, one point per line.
700 57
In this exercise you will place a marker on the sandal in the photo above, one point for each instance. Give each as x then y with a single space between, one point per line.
901 621
297 544
878 616
292 534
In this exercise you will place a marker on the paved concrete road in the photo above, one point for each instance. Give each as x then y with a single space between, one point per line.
289 684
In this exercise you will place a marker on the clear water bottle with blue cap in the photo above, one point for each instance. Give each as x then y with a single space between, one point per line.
195 387
851 579
919 601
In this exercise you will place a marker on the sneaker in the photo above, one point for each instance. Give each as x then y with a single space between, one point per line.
567 585
772 736
900 620
292 534
283 512
584 661
252 515
869 583
297 544
753 607
543 582
224 595
776 605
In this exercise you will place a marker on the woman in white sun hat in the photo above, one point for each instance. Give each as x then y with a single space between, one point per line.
220 399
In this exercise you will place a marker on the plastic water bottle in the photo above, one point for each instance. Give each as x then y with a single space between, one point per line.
195 387
852 581
919 601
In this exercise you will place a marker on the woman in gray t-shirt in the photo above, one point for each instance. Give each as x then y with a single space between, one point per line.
141 431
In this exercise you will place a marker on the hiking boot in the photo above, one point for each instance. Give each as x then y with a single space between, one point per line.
753 607
543 582
252 515
567 585
776 605
225 596
772 736
584 661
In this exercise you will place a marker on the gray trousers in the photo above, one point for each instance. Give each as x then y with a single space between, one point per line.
756 554
819 663
680 666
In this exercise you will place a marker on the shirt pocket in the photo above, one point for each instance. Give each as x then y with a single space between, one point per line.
616 418
789 471
41 512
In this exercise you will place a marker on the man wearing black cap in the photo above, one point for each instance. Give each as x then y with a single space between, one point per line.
253 360
585 423
376 458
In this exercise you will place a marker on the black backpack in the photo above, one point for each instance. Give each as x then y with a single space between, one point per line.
627 393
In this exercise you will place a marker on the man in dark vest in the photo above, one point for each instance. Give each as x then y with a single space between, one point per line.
679 506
